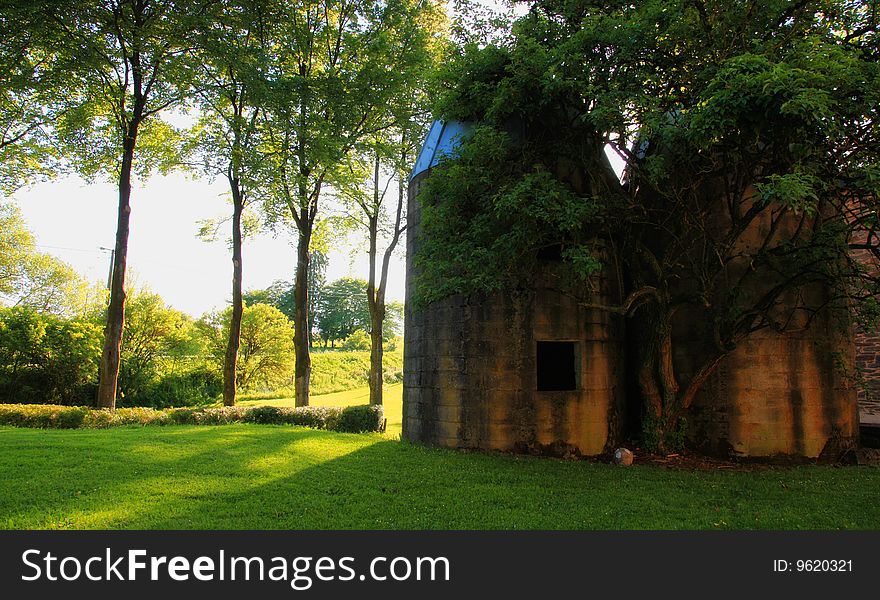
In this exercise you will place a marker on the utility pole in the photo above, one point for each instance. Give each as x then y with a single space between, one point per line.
112 252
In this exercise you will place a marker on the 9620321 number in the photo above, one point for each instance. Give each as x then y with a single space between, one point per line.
823 565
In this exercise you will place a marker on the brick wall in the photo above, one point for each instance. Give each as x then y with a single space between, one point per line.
868 355
868 361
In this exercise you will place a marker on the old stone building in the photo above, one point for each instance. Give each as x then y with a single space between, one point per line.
523 371
537 370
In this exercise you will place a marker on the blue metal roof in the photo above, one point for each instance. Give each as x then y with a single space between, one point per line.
442 140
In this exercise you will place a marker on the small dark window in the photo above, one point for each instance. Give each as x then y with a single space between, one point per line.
552 253
556 366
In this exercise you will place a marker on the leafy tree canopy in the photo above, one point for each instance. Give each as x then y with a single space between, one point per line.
750 139
343 309
266 352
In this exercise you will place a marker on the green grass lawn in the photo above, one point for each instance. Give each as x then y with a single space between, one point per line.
263 477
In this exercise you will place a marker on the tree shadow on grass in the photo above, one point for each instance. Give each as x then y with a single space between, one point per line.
394 485
263 477
120 477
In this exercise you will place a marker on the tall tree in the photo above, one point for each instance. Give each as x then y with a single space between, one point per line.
317 277
130 56
385 159
338 63
230 55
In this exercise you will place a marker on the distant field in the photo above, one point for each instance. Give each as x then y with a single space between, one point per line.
392 403
338 371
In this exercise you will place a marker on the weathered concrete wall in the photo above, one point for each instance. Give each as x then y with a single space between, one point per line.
788 393
470 375
779 394
470 368
470 372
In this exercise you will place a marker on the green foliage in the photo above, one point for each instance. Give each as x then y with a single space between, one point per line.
44 416
750 140
339 371
129 64
223 415
487 214
661 436
125 416
317 417
358 419
265 353
350 419
16 242
343 309
35 89
279 295
792 190
47 359
265 356
161 356
199 386
357 341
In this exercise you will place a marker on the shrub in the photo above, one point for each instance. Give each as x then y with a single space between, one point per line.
266 354
137 416
357 419
99 418
316 417
155 340
70 417
264 415
224 415
183 416
352 419
42 416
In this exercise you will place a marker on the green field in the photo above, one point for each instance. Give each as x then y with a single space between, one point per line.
267 477
392 402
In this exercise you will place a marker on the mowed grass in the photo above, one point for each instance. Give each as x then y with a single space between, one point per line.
267 477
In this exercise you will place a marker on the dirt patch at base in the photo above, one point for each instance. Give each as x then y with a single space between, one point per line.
687 461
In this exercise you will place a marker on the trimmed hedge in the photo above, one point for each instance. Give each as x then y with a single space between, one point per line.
351 419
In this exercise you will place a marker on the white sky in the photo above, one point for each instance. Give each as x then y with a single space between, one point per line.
72 220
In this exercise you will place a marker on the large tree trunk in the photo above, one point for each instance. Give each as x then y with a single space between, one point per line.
231 360
303 370
376 305
666 401
109 366
377 316
655 375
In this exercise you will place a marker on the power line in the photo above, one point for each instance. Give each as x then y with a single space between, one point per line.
92 251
